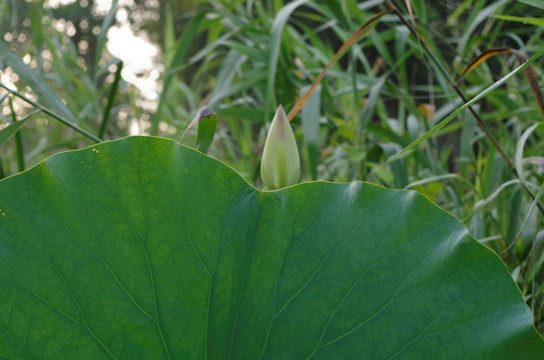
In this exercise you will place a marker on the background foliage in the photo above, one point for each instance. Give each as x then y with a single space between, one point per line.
241 59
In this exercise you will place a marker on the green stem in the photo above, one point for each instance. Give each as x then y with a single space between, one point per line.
111 98
18 141
52 114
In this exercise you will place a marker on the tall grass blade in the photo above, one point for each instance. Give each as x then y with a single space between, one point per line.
169 33
12 128
277 28
310 127
518 159
524 20
357 35
111 98
52 114
484 202
101 40
189 34
226 74
440 179
535 3
19 151
476 18
371 102
531 208
35 82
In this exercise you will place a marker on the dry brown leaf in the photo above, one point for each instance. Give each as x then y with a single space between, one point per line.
522 58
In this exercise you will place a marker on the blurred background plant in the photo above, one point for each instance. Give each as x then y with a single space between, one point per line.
105 69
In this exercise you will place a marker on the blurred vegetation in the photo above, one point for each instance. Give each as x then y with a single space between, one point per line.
242 59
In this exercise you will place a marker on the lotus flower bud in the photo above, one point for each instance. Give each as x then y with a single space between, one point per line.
280 164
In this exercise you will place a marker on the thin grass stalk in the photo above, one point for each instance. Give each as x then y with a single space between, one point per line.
111 98
19 152
52 114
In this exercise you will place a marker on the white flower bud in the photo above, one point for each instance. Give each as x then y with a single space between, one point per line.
280 164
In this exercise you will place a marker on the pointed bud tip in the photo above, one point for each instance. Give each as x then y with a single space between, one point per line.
280 112
280 165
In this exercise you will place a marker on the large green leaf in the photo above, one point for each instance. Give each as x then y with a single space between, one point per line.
145 249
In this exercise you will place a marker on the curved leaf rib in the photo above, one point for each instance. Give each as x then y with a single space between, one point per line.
143 244
154 318
18 342
332 251
193 245
20 285
449 308
246 264
100 256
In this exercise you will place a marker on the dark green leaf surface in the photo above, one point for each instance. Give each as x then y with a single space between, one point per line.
145 249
